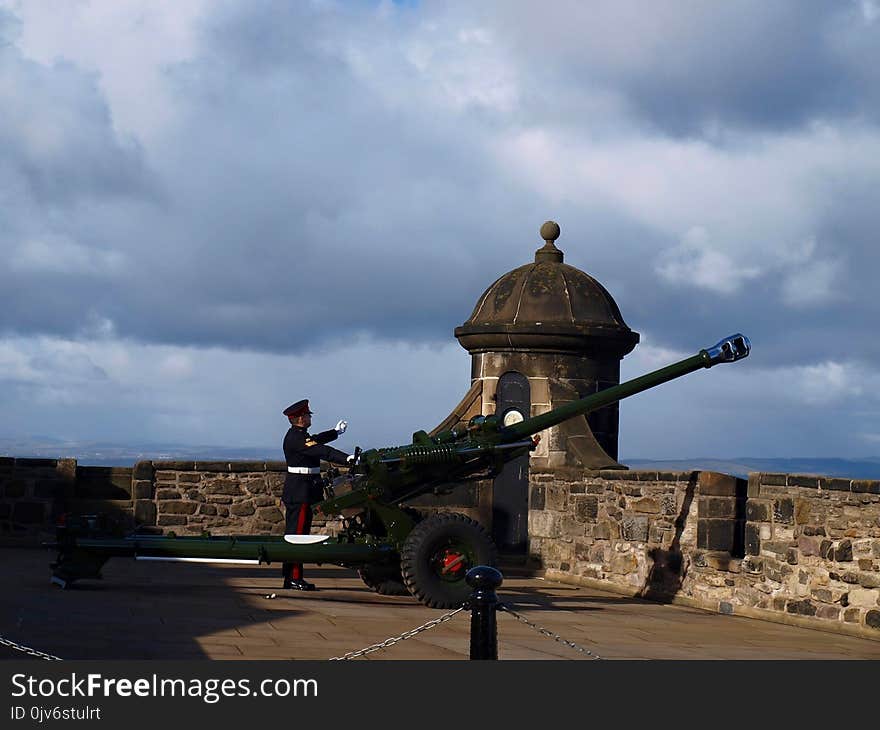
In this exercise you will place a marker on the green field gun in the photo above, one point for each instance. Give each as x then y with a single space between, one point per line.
395 549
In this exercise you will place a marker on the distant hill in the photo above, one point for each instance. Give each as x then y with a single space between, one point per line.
868 468
108 454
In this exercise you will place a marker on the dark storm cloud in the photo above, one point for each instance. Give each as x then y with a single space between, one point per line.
699 69
60 164
313 183
294 206
766 65
686 317
57 145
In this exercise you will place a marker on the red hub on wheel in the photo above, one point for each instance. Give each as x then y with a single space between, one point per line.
452 561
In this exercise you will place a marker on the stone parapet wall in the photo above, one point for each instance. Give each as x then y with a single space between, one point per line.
160 497
222 498
609 525
33 492
812 548
793 548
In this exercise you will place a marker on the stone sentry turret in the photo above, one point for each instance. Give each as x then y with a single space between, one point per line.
541 336
562 332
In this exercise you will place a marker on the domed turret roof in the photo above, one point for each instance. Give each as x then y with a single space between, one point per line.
547 305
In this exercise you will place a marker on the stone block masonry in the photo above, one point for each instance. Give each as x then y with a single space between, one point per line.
241 498
220 498
798 549
184 497
33 493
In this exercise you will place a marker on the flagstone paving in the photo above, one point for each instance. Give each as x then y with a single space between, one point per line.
169 611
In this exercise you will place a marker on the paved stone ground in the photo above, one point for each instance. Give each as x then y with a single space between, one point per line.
184 611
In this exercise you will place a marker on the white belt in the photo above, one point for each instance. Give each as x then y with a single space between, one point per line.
304 469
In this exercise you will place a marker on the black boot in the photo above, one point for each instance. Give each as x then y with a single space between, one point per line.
299 585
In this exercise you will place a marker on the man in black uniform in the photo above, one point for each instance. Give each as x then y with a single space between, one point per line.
303 487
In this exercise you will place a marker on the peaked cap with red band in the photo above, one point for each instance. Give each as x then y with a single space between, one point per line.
300 408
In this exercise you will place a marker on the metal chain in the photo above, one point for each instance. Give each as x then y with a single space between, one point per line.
546 632
393 640
28 650
373 647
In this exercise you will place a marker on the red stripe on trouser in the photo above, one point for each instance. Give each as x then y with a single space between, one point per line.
300 524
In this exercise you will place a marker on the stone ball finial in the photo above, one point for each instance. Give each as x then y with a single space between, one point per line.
549 253
550 231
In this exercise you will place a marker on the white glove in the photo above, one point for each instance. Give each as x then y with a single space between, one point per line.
340 427
350 459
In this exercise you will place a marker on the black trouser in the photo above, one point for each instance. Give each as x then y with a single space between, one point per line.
298 521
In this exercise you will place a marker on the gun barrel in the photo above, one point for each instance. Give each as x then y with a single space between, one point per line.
730 349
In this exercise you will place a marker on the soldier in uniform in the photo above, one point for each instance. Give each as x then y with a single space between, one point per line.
302 487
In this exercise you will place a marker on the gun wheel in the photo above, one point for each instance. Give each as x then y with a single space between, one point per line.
386 580
437 555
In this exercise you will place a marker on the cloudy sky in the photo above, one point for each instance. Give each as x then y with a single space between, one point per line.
209 209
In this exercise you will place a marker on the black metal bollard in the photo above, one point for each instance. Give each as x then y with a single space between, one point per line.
484 631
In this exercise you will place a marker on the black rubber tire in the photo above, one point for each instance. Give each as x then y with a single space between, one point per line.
385 579
438 538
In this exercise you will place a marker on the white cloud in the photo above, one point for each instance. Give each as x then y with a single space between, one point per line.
697 262
176 365
129 44
58 254
48 377
814 284
97 326
809 277
827 408
225 397
827 382
648 356
14 364
755 197
819 384
451 66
